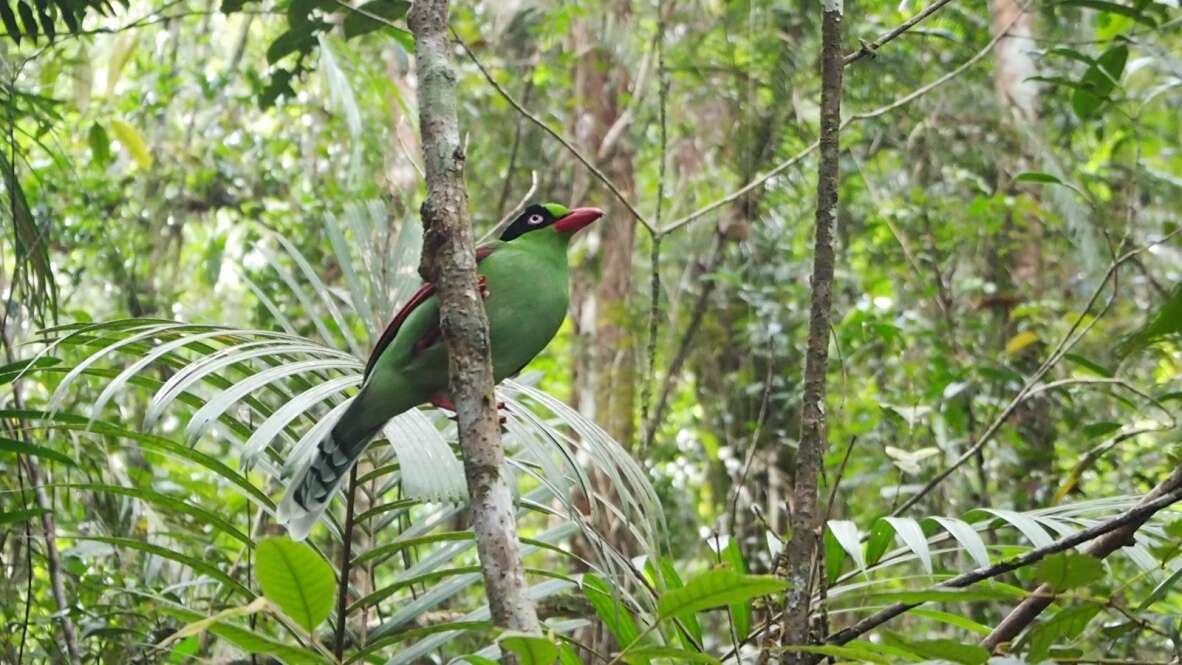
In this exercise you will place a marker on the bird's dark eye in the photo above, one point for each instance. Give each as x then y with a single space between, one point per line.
534 220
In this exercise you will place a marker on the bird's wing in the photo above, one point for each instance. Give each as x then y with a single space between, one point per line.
419 297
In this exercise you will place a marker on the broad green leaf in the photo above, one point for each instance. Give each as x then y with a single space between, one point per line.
740 612
669 654
361 20
881 535
22 448
473 659
300 38
847 535
100 144
1095 430
1067 624
715 588
687 620
1166 321
529 649
567 655
133 142
834 556
21 515
1099 81
1067 570
296 579
611 611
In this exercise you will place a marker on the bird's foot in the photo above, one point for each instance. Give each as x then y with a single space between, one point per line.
482 286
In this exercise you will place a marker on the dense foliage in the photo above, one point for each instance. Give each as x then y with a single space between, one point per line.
211 212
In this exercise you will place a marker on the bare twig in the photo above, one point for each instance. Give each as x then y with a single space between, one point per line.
1119 531
802 549
557 136
805 152
346 549
1122 534
1065 344
870 50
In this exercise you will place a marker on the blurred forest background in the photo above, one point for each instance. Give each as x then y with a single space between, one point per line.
210 212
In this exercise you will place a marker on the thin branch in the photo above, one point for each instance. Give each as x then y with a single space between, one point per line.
1061 349
870 50
1027 611
449 261
556 136
882 110
346 553
804 519
1132 518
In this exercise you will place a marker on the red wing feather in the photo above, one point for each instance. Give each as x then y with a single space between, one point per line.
419 297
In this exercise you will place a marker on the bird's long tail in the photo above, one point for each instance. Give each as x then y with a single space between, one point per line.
314 485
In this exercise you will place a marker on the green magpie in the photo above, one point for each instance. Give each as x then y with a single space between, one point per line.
524 281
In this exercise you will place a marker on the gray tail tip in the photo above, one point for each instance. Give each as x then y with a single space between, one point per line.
298 519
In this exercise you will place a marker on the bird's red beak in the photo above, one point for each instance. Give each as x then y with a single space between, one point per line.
577 219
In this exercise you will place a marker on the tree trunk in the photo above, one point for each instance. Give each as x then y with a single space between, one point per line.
449 261
805 517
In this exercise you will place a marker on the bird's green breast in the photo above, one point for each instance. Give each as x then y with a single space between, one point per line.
528 296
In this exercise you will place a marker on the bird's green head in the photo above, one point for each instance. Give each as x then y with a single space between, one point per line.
552 217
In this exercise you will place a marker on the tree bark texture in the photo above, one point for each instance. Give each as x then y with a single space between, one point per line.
449 261
801 550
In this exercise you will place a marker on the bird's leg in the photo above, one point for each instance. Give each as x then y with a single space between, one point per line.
482 286
444 402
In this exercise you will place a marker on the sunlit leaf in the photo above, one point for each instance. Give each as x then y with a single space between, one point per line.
294 577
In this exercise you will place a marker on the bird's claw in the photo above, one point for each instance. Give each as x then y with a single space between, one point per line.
482 286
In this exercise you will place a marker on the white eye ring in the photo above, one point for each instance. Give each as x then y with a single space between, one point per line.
534 220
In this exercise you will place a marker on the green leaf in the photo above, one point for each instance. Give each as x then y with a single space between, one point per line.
1113 8
21 515
21 448
1067 571
473 659
1165 322
978 594
361 20
611 611
300 38
1037 176
715 588
951 650
740 612
529 649
294 577
881 535
1160 590
1067 624
100 144
133 142
198 565
10 23
645 654
952 620
834 556
1098 82
1099 429
687 619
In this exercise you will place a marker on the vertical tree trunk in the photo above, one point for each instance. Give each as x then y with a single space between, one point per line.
802 549
449 261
